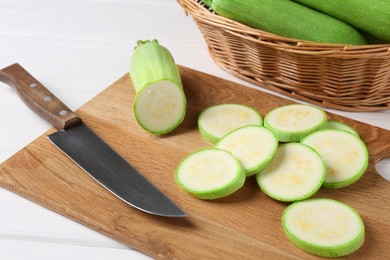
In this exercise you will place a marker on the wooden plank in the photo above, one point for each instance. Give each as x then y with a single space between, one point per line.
244 225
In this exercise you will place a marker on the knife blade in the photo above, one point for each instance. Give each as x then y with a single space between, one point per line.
76 140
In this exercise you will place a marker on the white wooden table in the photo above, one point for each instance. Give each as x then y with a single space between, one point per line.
77 49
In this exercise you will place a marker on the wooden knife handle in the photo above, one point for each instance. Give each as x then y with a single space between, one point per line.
38 98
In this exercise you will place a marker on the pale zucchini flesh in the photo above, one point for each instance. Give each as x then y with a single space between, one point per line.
293 122
324 227
216 121
210 174
253 146
160 107
295 173
345 155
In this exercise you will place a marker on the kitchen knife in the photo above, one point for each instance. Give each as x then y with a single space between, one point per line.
86 149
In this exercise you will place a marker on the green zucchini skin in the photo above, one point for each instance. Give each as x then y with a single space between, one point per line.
288 19
152 62
371 16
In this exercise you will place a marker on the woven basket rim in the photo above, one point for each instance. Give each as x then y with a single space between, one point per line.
199 11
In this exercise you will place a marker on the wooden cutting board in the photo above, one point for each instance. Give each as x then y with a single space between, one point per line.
244 225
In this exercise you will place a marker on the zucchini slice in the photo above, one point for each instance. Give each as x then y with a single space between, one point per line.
253 146
293 122
216 121
324 227
332 124
345 155
210 173
295 173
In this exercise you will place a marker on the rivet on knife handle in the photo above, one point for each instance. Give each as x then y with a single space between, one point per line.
38 98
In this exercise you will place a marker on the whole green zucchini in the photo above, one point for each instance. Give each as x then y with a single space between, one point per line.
372 16
288 19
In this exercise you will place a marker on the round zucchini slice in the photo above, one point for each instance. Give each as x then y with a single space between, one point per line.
216 121
345 155
324 227
210 173
253 146
295 173
293 122
332 124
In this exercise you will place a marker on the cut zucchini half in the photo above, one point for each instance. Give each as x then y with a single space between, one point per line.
332 124
324 227
345 155
210 173
160 102
295 173
253 146
293 122
216 121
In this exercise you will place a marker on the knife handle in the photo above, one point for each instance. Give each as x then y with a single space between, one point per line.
38 98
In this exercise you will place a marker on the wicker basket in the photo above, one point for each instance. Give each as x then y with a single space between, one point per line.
350 78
